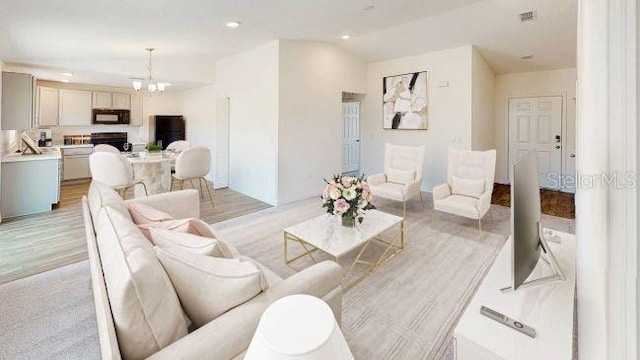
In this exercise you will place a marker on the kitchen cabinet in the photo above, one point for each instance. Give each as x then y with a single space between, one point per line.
120 101
107 100
30 187
136 114
101 100
75 107
17 101
47 106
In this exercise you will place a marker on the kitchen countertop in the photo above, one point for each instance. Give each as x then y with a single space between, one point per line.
73 146
53 154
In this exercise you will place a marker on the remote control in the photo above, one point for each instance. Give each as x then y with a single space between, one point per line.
492 314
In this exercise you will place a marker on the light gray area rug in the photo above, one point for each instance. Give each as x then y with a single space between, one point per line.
406 310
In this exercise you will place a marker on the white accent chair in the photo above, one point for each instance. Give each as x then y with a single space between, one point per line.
193 163
113 170
179 146
402 177
470 177
106 148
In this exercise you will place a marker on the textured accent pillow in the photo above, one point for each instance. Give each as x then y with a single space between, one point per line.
188 242
400 176
467 187
209 286
145 214
191 226
146 310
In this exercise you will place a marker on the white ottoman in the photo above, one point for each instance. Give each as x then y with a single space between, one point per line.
298 327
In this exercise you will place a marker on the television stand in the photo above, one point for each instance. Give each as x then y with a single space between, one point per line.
546 308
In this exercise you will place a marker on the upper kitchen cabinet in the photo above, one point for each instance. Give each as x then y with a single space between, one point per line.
18 94
75 107
48 106
101 100
136 114
120 101
107 100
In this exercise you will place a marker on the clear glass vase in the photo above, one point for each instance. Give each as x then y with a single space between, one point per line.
348 221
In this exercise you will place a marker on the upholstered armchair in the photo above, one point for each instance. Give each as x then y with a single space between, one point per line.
470 176
402 177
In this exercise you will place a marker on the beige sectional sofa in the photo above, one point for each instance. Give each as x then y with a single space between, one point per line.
137 312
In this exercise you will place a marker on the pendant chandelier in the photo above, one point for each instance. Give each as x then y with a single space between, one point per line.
151 84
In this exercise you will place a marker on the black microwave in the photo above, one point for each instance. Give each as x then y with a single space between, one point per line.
110 117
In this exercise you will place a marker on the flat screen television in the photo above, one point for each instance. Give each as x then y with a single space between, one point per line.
526 228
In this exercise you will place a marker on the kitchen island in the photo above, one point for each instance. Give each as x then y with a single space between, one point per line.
30 183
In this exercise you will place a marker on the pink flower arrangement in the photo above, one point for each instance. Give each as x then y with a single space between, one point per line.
347 196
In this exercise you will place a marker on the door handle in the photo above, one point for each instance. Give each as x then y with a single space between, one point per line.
557 146
358 140
573 155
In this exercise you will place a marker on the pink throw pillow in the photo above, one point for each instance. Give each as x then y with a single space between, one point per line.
192 226
145 214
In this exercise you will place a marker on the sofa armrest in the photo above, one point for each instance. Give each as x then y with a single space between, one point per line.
440 192
230 334
377 179
179 204
412 188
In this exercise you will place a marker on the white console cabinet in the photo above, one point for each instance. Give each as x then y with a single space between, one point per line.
548 308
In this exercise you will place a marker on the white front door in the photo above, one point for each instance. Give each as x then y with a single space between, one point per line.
222 142
350 136
536 123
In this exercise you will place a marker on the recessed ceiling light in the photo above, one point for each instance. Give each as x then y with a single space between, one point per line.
526 57
346 37
368 7
233 24
66 74
64 80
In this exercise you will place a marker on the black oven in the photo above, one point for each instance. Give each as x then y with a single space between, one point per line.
110 117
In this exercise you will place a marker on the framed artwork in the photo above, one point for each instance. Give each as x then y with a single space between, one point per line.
404 101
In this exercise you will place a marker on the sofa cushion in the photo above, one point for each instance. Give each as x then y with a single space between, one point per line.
467 186
399 176
100 195
146 310
191 225
209 286
145 214
187 242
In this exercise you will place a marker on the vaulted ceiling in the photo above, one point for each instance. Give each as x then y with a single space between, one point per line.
103 41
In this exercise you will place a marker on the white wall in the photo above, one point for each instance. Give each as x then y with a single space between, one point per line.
199 110
313 76
541 83
250 80
482 103
449 111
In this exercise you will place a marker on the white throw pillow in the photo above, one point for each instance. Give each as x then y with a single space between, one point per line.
146 310
400 176
209 286
187 242
467 187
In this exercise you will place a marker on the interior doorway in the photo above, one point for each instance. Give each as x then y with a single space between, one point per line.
222 142
535 123
350 136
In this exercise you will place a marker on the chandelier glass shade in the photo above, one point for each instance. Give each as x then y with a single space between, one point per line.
151 84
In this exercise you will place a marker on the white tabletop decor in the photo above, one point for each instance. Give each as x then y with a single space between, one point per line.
348 197
298 327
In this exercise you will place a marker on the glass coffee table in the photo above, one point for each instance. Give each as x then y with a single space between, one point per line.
326 233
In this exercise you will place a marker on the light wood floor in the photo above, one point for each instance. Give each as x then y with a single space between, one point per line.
37 243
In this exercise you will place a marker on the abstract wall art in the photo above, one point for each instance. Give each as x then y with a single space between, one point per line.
404 101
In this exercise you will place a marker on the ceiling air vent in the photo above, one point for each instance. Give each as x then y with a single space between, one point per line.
527 16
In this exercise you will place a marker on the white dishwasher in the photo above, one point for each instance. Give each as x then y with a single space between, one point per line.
75 163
